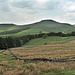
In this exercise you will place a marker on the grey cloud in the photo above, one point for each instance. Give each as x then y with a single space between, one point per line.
10 12
32 4
52 4
4 7
3 0
23 3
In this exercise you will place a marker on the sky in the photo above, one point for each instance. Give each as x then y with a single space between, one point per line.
30 11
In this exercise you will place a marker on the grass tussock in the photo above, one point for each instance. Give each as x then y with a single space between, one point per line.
36 68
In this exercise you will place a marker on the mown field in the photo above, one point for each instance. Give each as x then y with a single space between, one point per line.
50 48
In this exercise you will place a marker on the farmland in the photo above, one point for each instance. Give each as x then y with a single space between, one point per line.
50 48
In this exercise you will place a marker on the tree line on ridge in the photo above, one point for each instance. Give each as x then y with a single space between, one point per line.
11 42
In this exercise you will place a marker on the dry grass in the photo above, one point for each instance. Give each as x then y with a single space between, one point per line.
19 67
37 69
46 51
55 66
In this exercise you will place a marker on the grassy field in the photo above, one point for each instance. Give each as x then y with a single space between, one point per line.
50 40
25 32
51 48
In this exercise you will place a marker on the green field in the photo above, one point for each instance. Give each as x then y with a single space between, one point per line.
25 32
50 40
50 47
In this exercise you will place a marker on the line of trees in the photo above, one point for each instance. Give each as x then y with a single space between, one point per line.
10 42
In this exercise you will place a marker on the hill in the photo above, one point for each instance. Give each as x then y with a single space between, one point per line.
43 26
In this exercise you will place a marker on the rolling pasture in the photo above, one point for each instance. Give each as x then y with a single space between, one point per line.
50 48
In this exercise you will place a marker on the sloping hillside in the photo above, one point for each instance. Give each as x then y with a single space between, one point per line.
53 26
43 26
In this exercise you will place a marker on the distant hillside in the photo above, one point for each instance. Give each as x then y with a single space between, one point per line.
43 26
74 25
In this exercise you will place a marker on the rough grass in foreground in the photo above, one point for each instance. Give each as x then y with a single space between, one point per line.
56 47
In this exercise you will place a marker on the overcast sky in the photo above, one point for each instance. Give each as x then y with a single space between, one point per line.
29 11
